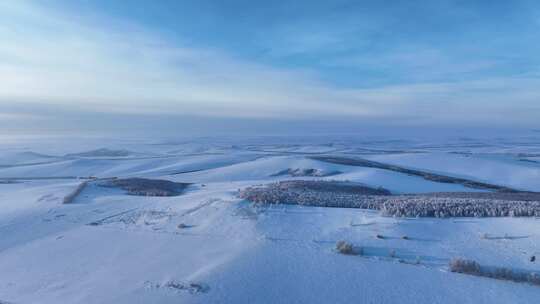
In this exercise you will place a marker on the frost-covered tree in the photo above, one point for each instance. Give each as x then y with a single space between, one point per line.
350 195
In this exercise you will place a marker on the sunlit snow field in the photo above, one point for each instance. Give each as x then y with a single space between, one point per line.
209 246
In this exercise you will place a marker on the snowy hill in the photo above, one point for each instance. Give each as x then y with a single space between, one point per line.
206 245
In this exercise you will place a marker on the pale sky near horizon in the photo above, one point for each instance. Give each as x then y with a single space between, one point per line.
311 64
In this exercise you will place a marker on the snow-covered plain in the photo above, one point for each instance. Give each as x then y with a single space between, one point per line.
208 246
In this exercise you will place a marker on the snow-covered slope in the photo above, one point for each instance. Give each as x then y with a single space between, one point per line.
208 246
265 169
493 168
146 166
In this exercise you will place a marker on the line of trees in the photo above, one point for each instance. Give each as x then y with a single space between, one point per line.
336 194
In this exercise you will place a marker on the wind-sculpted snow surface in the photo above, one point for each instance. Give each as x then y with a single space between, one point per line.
426 175
348 195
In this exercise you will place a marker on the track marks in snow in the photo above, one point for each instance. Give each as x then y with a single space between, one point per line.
108 218
48 198
200 206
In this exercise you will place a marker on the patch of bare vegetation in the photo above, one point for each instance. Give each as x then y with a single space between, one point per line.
176 286
147 187
501 273
464 266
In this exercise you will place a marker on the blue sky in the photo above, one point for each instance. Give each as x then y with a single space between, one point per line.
396 63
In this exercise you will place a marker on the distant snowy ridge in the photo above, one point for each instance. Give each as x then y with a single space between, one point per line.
103 152
426 175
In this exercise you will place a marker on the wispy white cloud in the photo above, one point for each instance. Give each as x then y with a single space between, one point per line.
106 65
59 60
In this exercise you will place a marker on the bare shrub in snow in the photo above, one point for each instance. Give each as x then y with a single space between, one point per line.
184 226
533 278
464 266
176 286
345 247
